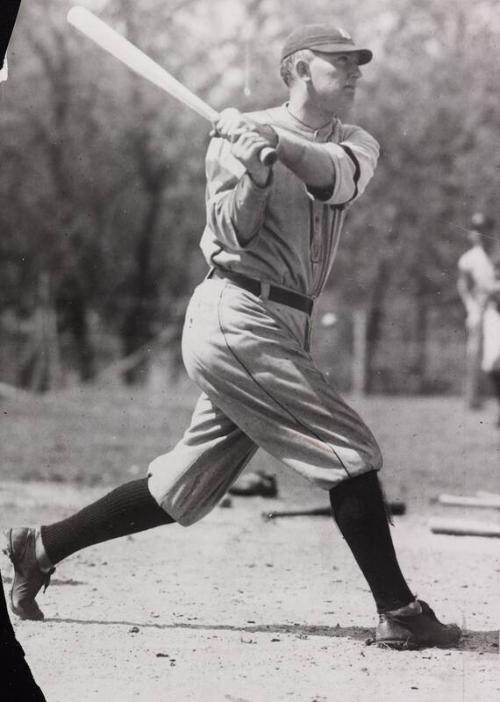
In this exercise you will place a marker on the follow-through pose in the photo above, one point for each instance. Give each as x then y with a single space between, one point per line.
270 240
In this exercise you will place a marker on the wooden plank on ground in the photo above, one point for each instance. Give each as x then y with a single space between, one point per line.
485 493
492 502
459 527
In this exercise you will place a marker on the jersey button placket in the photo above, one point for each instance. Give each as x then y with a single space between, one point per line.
316 239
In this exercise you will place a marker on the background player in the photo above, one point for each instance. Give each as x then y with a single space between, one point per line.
270 239
479 288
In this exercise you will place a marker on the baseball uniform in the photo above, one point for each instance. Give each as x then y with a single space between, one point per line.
249 350
482 310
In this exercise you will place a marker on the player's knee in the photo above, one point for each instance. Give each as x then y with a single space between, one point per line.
374 459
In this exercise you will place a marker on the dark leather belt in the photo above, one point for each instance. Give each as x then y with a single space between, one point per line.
275 293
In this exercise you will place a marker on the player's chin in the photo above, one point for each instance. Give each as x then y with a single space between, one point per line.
348 94
344 105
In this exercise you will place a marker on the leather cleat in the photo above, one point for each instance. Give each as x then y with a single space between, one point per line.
28 577
414 631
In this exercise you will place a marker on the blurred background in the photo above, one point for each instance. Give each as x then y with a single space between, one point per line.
102 185
102 208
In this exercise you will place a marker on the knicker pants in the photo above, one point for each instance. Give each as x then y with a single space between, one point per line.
260 388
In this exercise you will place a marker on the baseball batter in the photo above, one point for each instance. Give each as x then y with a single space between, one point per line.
270 241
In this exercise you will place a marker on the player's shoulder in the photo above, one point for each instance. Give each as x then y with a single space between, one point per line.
465 257
472 257
271 115
353 132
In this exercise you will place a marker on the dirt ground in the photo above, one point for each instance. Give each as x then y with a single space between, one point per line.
242 610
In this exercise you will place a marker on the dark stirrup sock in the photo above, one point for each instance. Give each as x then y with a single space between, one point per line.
359 510
495 381
127 510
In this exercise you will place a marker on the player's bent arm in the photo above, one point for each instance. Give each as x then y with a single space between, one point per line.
335 173
235 203
463 288
310 162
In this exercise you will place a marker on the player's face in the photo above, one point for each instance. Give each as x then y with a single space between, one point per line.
333 80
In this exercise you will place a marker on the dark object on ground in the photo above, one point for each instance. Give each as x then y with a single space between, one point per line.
415 631
18 684
459 527
259 484
395 508
28 579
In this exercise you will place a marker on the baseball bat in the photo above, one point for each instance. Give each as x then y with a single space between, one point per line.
135 59
395 508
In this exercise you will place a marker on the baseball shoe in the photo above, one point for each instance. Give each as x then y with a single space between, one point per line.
28 578
415 631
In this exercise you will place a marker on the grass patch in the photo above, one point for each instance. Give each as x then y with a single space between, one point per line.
108 434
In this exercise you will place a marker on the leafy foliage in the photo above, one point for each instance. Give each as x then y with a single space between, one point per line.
96 163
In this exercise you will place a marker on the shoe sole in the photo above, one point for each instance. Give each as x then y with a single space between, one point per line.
398 645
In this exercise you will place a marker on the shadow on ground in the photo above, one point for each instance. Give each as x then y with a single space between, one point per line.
474 641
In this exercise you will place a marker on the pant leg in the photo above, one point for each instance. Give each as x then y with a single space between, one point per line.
249 358
190 480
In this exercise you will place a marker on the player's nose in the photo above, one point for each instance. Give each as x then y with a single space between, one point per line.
355 72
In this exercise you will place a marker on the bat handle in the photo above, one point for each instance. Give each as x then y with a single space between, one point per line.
268 156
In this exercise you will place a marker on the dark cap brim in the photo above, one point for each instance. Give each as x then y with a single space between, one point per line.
365 55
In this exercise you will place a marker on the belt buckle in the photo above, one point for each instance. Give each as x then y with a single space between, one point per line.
265 289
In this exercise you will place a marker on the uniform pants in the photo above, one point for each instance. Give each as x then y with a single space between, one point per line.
260 388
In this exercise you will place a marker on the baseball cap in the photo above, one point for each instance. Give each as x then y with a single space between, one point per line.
324 38
481 222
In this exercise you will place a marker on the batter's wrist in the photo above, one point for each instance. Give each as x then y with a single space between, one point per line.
261 180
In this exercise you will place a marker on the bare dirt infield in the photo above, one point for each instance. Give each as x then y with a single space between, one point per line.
237 609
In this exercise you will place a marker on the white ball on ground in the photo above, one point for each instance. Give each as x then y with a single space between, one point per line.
329 319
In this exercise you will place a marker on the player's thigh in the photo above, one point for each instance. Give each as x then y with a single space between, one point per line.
261 376
190 480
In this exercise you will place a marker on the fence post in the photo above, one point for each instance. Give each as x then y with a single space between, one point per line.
472 390
359 352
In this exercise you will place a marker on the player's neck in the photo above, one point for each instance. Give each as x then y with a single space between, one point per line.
309 115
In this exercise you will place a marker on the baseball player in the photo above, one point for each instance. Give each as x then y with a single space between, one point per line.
270 240
479 288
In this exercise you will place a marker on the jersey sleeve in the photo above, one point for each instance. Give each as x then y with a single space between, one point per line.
355 159
463 264
235 204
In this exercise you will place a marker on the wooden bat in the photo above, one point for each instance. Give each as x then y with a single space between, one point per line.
135 59
396 508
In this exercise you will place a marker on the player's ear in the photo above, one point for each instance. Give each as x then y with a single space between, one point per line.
302 70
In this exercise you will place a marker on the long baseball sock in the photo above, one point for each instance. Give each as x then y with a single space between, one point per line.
495 381
128 509
359 509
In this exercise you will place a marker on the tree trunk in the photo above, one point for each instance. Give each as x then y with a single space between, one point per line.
419 365
40 369
138 326
374 324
